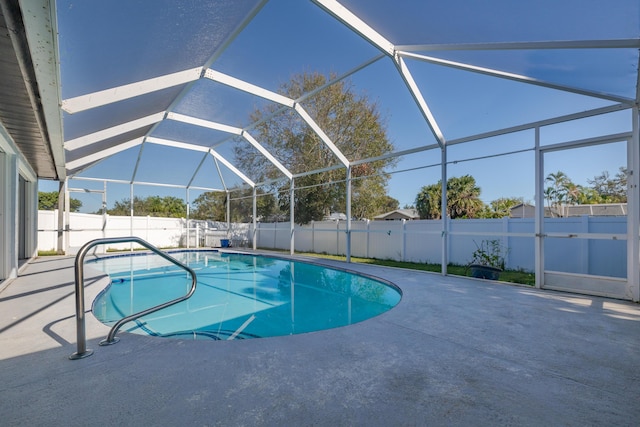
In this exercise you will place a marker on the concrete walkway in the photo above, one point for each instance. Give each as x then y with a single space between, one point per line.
453 352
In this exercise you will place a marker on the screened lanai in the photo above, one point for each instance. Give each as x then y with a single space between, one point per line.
161 98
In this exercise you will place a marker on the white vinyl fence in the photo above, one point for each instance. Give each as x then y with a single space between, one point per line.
415 241
420 241
160 232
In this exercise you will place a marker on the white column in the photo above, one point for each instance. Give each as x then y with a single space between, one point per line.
187 221
348 248
255 221
443 211
61 210
539 213
633 210
292 217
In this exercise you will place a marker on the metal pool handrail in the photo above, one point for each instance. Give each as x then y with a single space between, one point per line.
82 350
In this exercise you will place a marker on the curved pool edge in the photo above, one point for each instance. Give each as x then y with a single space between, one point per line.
336 265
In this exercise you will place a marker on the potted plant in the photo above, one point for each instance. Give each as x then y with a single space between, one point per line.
487 260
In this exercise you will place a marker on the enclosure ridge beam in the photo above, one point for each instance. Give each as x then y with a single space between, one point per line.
153 184
542 45
101 135
232 168
233 130
201 148
235 83
356 24
323 136
99 155
419 99
177 144
120 93
516 77
204 123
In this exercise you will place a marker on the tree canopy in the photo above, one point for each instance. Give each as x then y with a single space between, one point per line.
603 188
351 121
463 199
212 205
167 207
48 201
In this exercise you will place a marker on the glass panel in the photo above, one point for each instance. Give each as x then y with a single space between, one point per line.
610 71
288 38
119 166
411 173
583 256
140 40
467 103
419 22
89 199
183 132
504 179
158 164
383 85
96 119
216 102
585 191
589 127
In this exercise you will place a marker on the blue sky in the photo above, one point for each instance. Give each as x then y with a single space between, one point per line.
293 37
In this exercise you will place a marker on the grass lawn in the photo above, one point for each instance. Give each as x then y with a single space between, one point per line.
513 276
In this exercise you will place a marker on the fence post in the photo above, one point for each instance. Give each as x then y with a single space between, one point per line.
404 240
584 246
368 232
275 234
313 236
505 239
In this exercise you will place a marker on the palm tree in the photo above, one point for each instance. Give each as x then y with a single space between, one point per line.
463 199
557 192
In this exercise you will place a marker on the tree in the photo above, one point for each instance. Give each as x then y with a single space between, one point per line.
350 120
611 190
48 201
602 189
463 199
156 206
428 201
212 205
500 207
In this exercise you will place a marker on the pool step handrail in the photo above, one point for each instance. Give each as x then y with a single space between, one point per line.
82 350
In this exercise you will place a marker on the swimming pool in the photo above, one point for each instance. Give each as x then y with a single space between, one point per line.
238 296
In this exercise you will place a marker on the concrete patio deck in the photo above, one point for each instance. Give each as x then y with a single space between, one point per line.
454 352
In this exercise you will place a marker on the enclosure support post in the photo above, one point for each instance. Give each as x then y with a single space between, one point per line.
104 208
444 214
633 209
228 215
187 196
539 212
131 214
255 221
60 245
292 217
67 217
348 248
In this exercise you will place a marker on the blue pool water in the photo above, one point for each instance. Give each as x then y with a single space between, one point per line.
238 296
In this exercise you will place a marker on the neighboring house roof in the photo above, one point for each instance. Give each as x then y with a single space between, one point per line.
398 214
335 216
524 210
